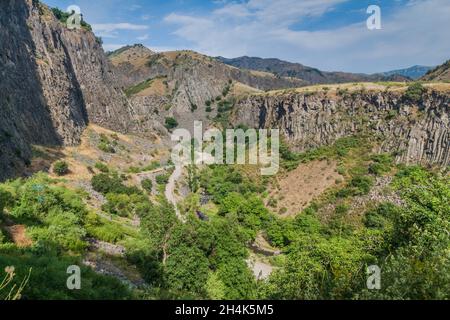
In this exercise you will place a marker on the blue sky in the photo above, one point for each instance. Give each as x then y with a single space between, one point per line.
328 34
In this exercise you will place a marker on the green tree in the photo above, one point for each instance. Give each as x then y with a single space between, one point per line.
186 269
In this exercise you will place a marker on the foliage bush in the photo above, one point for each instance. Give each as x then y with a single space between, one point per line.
162 179
124 205
111 183
147 185
49 275
171 123
61 168
105 145
415 264
62 16
102 167
414 92
358 186
381 164
105 230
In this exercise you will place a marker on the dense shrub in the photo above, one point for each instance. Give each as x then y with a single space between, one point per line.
102 167
125 205
358 186
381 217
55 215
147 185
162 179
381 164
414 92
49 276
105 145
171 123
61 168
111 183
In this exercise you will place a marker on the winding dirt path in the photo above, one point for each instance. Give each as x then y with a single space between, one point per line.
170 190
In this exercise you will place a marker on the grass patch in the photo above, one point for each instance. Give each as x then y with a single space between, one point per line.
138 88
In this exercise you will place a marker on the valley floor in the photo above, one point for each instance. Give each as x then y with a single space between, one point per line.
123 212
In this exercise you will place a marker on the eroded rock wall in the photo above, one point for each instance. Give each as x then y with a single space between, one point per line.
417 132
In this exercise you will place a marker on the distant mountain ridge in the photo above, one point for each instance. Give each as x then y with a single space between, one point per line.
414 72
309 74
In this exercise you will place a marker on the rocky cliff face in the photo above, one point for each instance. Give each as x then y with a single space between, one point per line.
179 83
53 81
417 132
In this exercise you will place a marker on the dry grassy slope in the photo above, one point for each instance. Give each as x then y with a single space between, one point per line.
293 191
179 83
441 73
399 87
130 151
130 64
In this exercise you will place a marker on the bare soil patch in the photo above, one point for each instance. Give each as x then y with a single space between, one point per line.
295 190
18 235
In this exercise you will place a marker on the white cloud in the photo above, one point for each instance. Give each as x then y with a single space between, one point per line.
108 27
234 10
135 7
281 12
112 47
416 34
144 37
109 30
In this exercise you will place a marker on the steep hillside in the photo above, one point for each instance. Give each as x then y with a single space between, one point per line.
54 81
137 63
411 123
311 75
184 85
130 63
440 73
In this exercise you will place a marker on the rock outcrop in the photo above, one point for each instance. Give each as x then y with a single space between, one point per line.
416 132
179 83
53 82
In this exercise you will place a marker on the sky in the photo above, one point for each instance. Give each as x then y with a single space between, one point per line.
331 35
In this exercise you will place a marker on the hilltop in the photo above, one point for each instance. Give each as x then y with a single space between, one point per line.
186 85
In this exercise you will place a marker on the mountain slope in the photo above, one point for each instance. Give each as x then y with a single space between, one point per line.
297 70
137 63
440 73
414 72
184 84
